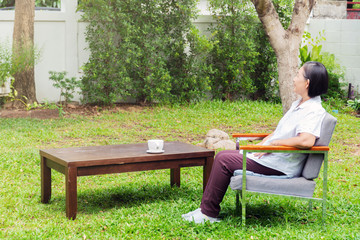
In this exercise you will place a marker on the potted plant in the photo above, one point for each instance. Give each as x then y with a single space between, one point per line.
356 6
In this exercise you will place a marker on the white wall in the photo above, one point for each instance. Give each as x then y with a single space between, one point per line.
343 40
60 36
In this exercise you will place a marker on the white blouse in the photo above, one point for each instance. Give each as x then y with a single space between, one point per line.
307 118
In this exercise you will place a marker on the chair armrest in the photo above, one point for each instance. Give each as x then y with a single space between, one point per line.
250 135
259 148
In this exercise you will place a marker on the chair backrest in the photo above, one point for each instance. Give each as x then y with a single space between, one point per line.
314 161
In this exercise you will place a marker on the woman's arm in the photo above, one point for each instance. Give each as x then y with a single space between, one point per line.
302 141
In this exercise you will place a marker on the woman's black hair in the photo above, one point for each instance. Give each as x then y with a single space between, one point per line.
318 76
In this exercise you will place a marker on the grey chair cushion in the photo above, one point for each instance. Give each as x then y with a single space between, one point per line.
313 164
293 186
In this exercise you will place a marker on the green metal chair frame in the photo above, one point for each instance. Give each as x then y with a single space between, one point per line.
260 148
297 188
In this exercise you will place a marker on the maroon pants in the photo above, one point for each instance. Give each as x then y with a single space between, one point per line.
225 163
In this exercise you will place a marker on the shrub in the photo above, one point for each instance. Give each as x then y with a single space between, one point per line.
354 104
138 51
10 65
265 75
242 60
5 63
233 55
67 86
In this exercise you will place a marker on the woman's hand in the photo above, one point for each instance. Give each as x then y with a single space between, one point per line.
259 155
276 143
265 139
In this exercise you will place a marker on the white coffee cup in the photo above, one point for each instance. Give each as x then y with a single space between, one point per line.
155 145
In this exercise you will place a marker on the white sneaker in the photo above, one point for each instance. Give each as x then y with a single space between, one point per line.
189 214
198 217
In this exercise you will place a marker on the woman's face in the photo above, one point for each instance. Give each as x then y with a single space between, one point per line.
301 84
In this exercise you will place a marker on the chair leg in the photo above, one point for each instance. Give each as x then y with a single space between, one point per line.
324 187
324 210
237 202
243 206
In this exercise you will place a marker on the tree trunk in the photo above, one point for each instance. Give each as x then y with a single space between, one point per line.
286 43
23 49
288 62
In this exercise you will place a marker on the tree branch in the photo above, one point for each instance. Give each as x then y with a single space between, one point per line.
270 20
301 12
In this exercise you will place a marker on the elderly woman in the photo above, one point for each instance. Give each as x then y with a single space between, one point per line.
299 127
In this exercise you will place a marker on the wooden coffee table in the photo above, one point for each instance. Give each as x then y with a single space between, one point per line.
85 161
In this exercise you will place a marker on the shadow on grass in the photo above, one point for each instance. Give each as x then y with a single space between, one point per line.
93 201
276 213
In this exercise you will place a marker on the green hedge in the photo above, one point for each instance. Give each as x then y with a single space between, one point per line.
148 51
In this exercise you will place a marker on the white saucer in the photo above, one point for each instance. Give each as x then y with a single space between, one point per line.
161 151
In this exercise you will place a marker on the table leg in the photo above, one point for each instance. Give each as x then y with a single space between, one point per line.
175 177
71 192
45 181
207 170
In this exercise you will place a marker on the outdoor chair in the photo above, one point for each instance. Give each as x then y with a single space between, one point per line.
301 187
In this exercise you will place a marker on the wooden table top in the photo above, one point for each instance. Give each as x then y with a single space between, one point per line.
121 154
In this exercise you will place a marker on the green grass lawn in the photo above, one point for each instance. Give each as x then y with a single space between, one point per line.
142 205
